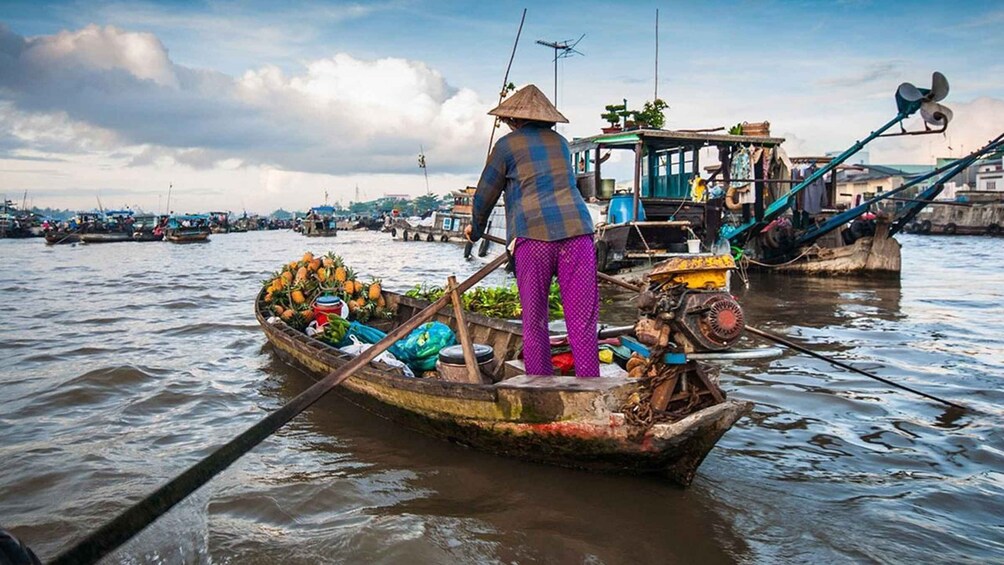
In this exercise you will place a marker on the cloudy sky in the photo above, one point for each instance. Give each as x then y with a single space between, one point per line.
260 104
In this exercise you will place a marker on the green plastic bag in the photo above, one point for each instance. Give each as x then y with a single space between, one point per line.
421 348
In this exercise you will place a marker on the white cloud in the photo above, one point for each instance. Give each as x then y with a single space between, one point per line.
340 115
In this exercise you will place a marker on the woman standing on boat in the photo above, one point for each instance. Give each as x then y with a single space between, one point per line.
548 227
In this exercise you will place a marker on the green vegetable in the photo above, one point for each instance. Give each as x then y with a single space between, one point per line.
334 331
494 302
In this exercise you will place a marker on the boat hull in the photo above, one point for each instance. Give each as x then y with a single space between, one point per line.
105 237
560 421
56 238
867 256
189 237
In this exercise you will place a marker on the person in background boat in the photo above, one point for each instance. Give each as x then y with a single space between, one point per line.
548 228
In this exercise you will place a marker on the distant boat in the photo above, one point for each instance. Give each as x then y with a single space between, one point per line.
112 226
148 228
188 228
320 222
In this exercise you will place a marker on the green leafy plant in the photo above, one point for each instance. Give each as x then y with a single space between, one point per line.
652 114
494 302
614 114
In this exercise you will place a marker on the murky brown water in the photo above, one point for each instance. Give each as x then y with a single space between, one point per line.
123 364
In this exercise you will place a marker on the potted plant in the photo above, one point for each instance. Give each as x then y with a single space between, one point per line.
613 117
652 114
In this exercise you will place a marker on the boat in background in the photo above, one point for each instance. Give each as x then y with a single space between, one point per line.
219 222
187 228
149 227
320 222
112 226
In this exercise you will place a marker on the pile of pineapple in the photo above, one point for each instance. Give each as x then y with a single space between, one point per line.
290 292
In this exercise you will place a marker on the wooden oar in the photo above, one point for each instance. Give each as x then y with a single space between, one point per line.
145 512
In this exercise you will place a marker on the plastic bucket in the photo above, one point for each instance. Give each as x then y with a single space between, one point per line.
328 305
621 209
693 246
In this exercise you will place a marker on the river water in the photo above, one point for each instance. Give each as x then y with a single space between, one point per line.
123 364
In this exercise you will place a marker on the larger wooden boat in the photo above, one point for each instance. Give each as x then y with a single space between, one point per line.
565 421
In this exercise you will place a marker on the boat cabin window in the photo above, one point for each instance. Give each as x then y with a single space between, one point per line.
667 173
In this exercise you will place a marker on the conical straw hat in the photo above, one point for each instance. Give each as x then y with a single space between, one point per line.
529 103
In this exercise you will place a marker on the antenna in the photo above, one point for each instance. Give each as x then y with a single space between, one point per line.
562 50
421 165
656 96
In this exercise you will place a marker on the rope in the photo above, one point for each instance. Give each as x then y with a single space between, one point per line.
808 250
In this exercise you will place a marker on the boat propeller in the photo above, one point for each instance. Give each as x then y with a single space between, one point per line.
910 99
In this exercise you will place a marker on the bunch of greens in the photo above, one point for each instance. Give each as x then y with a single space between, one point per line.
494 302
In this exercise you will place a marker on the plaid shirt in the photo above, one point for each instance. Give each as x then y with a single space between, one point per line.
532 165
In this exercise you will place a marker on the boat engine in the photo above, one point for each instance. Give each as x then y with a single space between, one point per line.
687 306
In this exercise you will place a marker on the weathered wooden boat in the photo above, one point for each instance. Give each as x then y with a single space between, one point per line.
188 228
877 254
320 222
56 237
564 421
973 213
187 235
149 227
105 237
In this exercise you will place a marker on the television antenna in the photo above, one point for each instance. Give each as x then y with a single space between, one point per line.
562 50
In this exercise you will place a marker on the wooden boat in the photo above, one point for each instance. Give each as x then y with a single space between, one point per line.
55 237
188 228
877 254
187 235
563 421
320 222
105 237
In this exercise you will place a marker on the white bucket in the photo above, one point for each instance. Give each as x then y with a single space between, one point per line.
693 246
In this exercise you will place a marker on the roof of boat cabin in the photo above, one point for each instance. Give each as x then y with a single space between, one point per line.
665 139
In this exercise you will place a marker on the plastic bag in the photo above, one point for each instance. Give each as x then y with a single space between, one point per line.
369 334
421 348
356 347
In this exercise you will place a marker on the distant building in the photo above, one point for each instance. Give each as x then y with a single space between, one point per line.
965 180
397 196
990 174
859 158
861 182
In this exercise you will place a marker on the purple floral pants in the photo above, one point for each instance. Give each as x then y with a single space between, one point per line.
573 260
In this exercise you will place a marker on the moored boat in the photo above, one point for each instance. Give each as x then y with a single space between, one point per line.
320 222
565 421
149 228
106 237
188 228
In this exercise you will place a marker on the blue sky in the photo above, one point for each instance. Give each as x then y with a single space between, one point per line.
272 103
